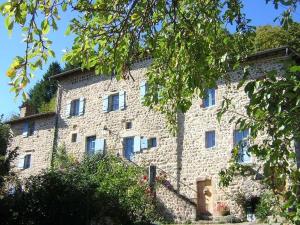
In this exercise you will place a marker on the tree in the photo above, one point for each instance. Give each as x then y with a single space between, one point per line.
268 37
42 95
189 42
5 156
273 112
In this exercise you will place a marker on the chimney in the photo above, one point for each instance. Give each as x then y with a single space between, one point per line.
26 110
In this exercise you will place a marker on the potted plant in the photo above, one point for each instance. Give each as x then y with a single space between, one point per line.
222 209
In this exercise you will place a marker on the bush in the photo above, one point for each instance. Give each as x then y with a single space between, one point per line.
96 191
267 206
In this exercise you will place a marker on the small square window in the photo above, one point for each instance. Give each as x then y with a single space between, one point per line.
27 161
75 107
74 137
152 143
31 128
210 139
90 145
128 125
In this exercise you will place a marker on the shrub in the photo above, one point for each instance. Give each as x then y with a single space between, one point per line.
267 206
100 190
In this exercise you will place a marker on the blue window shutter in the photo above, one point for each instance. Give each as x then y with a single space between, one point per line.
213 138
81 106
105 103
21 162
99 146
68 109
137 144
122 99
143 89
213 96
25 129
144 143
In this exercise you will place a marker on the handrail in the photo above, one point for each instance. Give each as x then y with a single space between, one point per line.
165 173
176 179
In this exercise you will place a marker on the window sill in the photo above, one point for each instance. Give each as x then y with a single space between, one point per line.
211 148
209 107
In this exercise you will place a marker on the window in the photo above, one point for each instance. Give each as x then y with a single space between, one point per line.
90 145
74 137
128 125
28 129
114 102
25 162
241 139
210 98
75 107
210 137
129 147
152 143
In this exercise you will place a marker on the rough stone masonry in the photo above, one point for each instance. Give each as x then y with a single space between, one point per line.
100 114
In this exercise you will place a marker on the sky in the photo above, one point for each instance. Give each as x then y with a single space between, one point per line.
11 46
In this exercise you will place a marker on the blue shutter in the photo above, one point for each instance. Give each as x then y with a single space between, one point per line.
81 106
144 143
122 99
21 162
68 109
137 144
99 146
213 96
105 103
25 129
143 89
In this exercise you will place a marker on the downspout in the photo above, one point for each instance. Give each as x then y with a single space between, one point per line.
55 136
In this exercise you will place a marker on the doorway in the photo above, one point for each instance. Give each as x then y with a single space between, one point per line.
204 198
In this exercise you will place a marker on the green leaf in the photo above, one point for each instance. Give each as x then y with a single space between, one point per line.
68 30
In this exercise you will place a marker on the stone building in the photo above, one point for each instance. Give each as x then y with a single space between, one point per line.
98 114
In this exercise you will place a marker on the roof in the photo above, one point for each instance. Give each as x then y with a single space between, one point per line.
280 51
35 116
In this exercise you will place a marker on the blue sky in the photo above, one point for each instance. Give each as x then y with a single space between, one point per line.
257 10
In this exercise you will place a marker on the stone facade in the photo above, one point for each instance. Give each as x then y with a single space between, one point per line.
191 168
38 144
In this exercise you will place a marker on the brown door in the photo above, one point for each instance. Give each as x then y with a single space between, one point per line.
204 198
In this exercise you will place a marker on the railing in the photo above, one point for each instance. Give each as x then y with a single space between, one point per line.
169 184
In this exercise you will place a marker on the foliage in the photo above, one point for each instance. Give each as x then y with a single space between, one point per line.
100 190
267 206
5 156
62 160
42 95
273 112
268 37
189 42
48 106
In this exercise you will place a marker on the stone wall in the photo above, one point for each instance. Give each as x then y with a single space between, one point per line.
184 158
39 145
